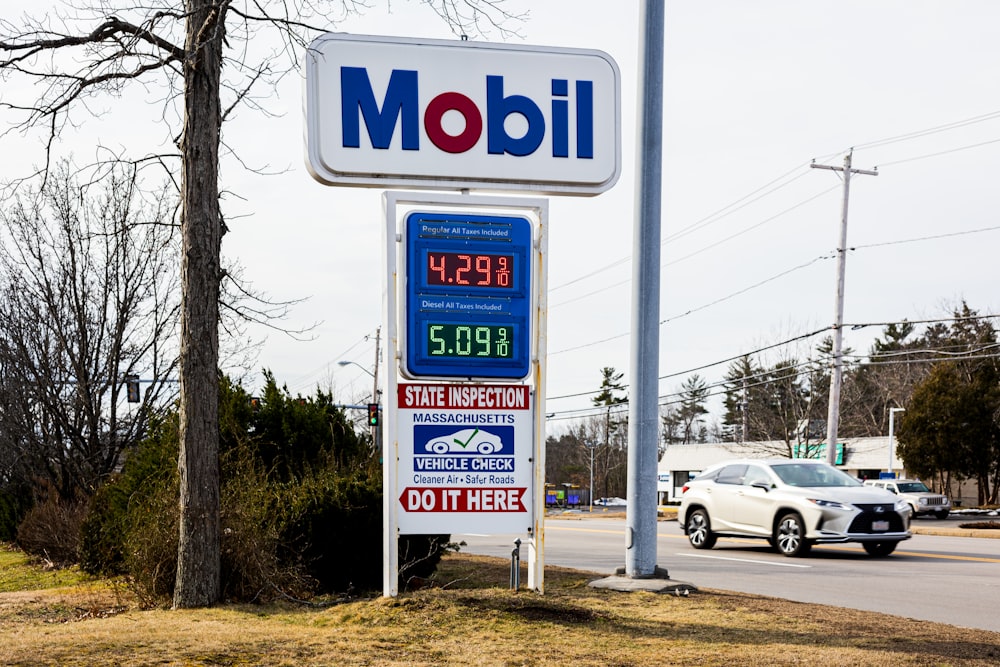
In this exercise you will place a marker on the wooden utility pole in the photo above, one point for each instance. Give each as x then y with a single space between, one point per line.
833 416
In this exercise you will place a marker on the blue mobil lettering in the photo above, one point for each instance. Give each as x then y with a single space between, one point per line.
463 464
400 108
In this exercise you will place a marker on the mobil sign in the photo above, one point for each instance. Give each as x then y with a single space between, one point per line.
389 111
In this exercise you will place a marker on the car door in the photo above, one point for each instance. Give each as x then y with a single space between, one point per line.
753 506
725 493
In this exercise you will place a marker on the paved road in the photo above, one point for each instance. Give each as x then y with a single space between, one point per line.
953 580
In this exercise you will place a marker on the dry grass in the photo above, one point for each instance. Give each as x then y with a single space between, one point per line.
469 618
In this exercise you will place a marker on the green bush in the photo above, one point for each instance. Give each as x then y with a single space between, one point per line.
121 510
301 505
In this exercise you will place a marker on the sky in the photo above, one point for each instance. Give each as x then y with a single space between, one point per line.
754 91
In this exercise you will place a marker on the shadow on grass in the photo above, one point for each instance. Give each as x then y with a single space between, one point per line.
715 618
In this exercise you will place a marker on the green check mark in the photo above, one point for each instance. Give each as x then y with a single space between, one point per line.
465 444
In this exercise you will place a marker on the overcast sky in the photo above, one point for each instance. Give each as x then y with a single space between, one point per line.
753 92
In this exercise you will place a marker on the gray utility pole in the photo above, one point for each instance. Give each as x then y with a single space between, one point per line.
745 413
377 429
833 416
643 423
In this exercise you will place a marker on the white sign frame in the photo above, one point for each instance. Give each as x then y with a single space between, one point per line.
465 469
550 84
396 206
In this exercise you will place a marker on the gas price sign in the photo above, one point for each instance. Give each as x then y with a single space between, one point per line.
468 295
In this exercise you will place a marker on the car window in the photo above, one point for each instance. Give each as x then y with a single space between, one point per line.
913 487
755 475
803 474
732 474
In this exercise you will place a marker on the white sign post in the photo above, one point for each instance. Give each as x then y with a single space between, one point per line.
463 456
463 436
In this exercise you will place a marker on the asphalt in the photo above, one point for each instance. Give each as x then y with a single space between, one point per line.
663 584
920 526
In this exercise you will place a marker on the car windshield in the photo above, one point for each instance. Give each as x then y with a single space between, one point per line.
913 487
804 474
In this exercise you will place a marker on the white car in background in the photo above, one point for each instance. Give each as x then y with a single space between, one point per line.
922 500
793 504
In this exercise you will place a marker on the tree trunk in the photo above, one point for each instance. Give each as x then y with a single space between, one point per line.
198 555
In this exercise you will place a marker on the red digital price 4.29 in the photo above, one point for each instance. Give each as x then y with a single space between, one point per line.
469 269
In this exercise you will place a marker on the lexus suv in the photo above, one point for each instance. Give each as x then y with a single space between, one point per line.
922 500
793 504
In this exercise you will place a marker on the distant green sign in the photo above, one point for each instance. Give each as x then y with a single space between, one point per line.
817 451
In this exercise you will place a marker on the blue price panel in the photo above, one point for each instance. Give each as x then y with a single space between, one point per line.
468 296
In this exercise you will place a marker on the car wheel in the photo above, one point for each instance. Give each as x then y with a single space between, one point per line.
942 514
790 536
485 447
879 548
439 447
699 530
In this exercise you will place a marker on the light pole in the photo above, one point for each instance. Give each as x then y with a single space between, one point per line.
892 424
374 428
591 446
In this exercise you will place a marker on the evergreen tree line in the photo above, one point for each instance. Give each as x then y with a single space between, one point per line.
945 377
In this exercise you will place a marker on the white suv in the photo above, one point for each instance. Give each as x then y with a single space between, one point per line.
921 499
793 504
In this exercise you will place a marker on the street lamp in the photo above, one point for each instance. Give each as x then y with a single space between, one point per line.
374 428
892 423
354 363
378 338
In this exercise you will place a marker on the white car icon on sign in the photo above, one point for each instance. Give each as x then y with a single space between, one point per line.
467 440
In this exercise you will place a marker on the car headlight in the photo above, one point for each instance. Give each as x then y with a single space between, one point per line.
830 504
901 506
923 501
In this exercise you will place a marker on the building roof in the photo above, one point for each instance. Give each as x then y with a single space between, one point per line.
859 454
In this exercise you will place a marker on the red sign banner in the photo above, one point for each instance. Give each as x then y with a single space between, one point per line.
462 499
463 397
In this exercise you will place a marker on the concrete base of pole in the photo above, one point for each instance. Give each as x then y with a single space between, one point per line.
658 582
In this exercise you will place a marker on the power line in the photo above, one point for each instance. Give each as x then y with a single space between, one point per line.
763 191
600 410
926 238
939 153
992 115
712 218
746 289
752 227
307 377
810 334
685 257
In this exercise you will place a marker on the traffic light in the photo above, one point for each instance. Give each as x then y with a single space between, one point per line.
132 388
373 414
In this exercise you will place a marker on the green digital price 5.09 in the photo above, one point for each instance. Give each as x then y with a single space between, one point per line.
489 341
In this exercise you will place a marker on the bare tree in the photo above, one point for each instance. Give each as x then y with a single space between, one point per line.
88 297
200 53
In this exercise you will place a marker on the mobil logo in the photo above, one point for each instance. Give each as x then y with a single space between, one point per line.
385 111
401 108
